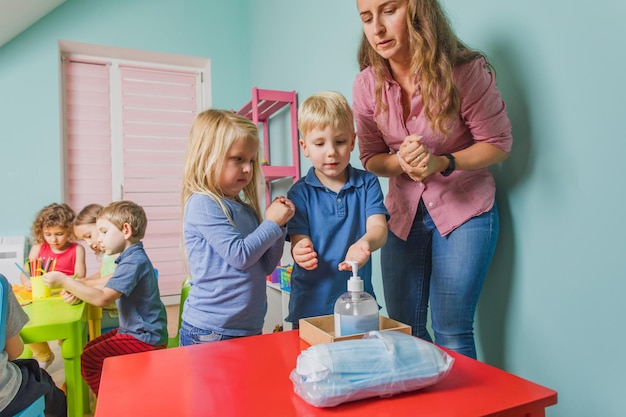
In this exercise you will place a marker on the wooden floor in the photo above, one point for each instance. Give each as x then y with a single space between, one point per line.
56 369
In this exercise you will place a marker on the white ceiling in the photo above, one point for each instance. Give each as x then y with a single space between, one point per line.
17 15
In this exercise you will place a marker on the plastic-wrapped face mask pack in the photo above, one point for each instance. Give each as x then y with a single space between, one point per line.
380 364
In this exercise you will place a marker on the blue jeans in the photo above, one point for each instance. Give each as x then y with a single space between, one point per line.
190 335
450 270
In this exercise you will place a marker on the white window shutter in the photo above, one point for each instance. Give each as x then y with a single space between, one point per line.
158 108
88 138
126 133
88 133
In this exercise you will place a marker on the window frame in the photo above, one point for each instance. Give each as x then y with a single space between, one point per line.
170 276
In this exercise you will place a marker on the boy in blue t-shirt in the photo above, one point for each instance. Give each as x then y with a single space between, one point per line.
133 286
340 213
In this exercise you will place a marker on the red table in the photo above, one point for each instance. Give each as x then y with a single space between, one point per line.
250 377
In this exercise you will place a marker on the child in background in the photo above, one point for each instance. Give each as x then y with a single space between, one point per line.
340 212
53 234
143 322
230 248
22 382
86 230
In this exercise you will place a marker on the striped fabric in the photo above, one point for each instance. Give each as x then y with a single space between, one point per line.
105 346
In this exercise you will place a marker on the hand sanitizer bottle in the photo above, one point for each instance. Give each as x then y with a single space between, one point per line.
355 311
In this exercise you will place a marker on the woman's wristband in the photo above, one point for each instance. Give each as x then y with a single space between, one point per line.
451 167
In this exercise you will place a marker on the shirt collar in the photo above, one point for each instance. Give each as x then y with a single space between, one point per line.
352 181
129 251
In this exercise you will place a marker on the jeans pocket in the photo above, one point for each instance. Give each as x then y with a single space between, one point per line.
206 336
190 335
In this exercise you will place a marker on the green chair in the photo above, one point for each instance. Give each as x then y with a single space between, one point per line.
35 409
184 292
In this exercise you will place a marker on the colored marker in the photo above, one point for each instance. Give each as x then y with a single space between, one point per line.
26 274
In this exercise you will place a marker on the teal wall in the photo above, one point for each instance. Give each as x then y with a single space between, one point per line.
552 305
30 172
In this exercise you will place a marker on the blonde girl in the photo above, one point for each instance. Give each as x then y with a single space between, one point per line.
230 247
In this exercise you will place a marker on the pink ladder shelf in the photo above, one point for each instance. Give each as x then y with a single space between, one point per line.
264 104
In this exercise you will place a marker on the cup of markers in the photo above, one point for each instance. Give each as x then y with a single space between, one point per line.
34 270
39 288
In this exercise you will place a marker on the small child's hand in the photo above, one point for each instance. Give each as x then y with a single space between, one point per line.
304 255
359 252
54 279
69 298
26 283
280 211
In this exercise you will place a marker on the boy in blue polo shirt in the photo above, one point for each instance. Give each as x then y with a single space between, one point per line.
340 212
133 287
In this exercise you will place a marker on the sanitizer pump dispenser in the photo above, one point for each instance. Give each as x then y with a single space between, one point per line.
355 311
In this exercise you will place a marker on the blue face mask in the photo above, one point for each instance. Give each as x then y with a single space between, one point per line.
353 361
382 363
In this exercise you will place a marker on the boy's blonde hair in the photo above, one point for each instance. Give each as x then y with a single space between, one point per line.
53 215
324 109
212 134
120 212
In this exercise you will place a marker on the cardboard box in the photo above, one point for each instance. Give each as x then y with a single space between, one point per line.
321 329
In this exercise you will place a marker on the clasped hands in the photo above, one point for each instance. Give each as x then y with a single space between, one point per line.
280 211
415 159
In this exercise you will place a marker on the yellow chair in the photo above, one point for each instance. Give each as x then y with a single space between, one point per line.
94 320
184 292
95 314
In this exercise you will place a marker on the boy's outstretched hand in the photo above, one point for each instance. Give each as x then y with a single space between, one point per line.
55 279
359 252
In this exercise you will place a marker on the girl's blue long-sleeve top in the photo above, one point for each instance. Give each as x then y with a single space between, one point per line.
228 265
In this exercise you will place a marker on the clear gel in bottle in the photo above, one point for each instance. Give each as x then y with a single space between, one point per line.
355 310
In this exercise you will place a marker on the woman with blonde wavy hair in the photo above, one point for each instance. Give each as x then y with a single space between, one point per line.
430 117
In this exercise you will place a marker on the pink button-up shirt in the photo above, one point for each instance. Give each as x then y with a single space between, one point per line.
452 200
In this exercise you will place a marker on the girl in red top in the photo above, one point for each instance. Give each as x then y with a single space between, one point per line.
52 233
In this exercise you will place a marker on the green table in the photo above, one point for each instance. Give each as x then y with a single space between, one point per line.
53 319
